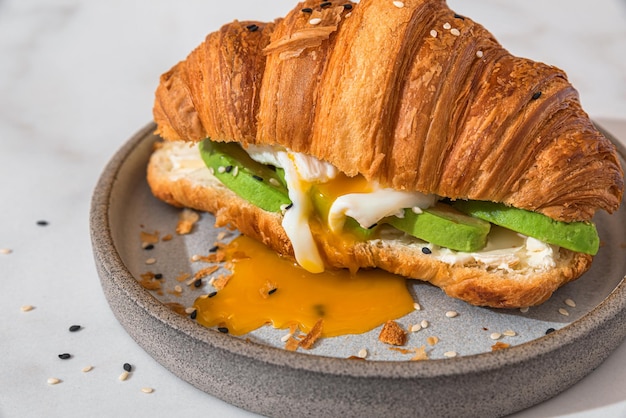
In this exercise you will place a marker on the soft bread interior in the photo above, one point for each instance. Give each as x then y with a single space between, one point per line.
178 176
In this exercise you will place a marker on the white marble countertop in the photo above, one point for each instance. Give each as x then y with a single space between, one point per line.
77 80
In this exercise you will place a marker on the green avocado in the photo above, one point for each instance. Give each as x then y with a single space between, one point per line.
444 226
576 236
259 184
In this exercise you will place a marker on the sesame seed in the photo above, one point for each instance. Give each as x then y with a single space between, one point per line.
550 331
479 54
127 367
274 182
53 380
189 310
315 21
362 353
194 314
285 337
417 306
450 354
147 390
426 250
447 26
252 28
456 16
563 312
495 336
307 10
536 95
433 33
212 294
123 376
5 251
258 178
197 283
326 4
372 226
223 330
42 223
27 308
415 328
228 168
158 276
416 209
451 314
221 169
424 323
455 32
148 247
145 244
178 289
211 170
570 303
65 356
195 257
86 369
398 4
151 261
509 333
347 6
235 171
524 309
75 328
272 291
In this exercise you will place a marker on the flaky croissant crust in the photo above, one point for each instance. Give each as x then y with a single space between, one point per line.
414 97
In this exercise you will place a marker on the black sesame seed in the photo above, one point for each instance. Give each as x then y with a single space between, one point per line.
259 178
212 294
42 223
456 16
252 28
74 328
326 4
289 206
223 330
149 247
426 250
65 356
197 283
372 226
158 276
347 6
214 249
536 95
194 314
307 10
127 367
550 331
272 291
228 168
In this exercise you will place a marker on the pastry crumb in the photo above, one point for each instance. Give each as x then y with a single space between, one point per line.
392 334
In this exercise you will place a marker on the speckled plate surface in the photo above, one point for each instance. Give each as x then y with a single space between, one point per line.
588 317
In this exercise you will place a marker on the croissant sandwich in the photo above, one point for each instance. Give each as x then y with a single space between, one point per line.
396 135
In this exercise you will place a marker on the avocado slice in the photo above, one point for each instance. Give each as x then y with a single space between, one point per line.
444 226
258 183
576 236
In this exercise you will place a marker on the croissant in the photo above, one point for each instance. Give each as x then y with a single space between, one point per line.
409 95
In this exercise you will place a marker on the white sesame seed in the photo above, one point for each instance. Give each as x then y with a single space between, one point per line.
398 4
189 310
285 337
455 32
479 54
424 323
315 21
211 170
416 210
27 308
274 182
509 333
451 314
53 380
417 306
221 169
348 15
178 289
570 303
563 312
5 251
235 171
362 353
124 375
433 33
415 328
450 354
495 336
151 261
86 369
524 309
147 390
447 26
195 257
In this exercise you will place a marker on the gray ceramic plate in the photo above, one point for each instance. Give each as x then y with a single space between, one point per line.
255 373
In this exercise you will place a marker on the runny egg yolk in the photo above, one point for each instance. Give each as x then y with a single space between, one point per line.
266 288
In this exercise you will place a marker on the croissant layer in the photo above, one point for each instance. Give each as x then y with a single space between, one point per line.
413 97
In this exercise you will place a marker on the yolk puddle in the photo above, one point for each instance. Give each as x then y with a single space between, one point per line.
268 289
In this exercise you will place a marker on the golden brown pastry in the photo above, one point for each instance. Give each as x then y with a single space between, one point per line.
415 98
